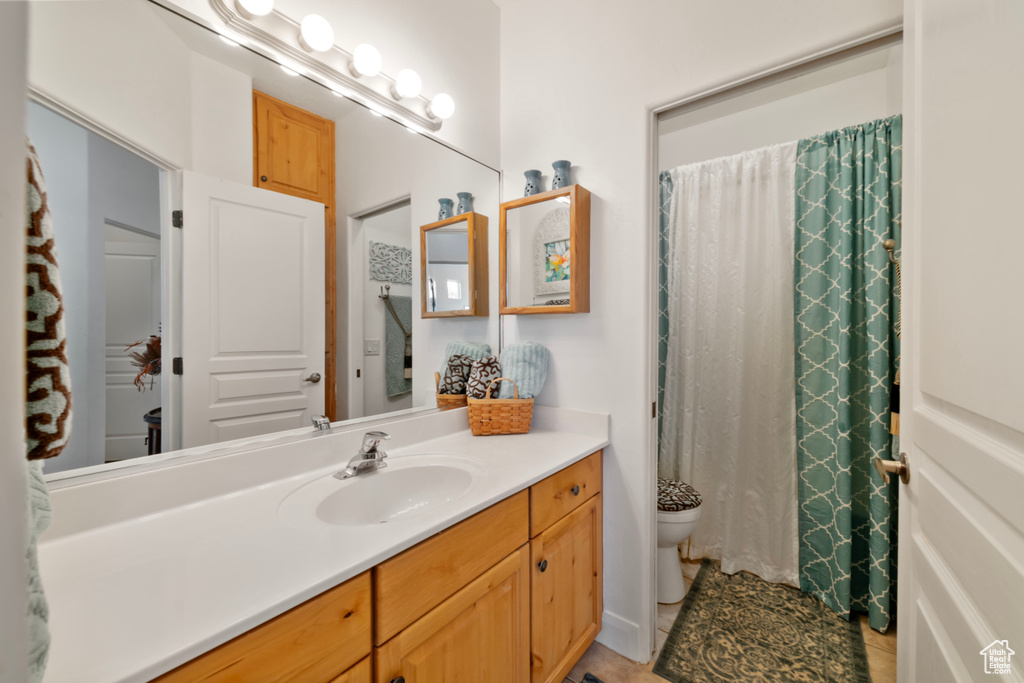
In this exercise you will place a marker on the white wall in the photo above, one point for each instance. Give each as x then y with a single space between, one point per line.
614 60
452 44
395 228
796 109
13 595
116 63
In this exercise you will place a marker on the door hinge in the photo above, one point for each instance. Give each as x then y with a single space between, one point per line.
176 366
177 219
654 409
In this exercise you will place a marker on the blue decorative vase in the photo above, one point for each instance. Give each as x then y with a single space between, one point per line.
446 209
532 183
561 175
465 203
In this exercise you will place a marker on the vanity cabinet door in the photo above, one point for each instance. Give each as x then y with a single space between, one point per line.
482 633
360 673
566 591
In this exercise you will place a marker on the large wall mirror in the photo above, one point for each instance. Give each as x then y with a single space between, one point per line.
138 111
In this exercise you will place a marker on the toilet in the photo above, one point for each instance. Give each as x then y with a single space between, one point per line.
678 512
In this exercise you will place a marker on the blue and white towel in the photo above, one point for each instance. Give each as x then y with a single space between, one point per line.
526 364
463 348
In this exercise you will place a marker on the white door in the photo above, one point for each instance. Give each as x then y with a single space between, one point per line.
961 564
252 311
132 281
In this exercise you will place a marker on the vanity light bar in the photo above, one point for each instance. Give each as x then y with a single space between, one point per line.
282 39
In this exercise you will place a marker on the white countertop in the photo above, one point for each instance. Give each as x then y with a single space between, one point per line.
133 599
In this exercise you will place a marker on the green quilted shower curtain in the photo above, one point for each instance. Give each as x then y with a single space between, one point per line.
848 201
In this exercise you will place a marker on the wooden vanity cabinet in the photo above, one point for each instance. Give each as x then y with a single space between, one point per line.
566 568
318 641
530 617
482 633
512 594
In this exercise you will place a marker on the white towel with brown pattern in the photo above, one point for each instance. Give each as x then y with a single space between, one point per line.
47 395
481 374
47 379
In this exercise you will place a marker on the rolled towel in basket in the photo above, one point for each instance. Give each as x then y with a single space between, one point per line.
464 348
456 373
526 364
481 374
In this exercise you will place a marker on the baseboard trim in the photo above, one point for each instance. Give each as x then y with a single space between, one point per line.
623 636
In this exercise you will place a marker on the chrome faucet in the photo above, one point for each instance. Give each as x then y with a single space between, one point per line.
368 459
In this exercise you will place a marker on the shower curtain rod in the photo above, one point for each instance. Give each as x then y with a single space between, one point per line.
890 35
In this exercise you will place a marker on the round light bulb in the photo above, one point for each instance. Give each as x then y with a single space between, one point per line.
442 106
254 8
407 84
366 60
316 34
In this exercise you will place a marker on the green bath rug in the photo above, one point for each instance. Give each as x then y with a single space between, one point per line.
742 628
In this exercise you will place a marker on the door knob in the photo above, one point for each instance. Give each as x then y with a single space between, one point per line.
542 565
575 490
314 378
263 178
900 467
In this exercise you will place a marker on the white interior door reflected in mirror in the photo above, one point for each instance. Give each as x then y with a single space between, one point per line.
253 311
453 253
544 253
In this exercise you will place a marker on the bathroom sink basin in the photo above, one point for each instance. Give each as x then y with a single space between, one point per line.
408 487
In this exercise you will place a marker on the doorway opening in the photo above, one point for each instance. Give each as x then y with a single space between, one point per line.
372 382
848 86
106 206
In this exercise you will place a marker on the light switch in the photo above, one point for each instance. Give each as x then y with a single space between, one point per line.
372 347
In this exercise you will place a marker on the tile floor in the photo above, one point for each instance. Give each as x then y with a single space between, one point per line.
611 667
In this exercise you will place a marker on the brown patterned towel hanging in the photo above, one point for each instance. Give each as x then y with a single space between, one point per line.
48 378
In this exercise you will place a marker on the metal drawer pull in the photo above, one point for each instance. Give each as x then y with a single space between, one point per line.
314 378
576 490
542 565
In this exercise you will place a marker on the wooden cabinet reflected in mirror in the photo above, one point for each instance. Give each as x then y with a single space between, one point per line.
544 253
453 258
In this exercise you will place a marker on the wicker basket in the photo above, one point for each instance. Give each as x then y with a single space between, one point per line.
489 416
447 401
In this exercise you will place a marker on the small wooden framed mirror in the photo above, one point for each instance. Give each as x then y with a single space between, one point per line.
544 253
453 273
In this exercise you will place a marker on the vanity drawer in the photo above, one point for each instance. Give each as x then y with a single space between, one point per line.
558 495
316 641
411 584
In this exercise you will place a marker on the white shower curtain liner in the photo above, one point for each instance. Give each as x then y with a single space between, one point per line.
729 424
